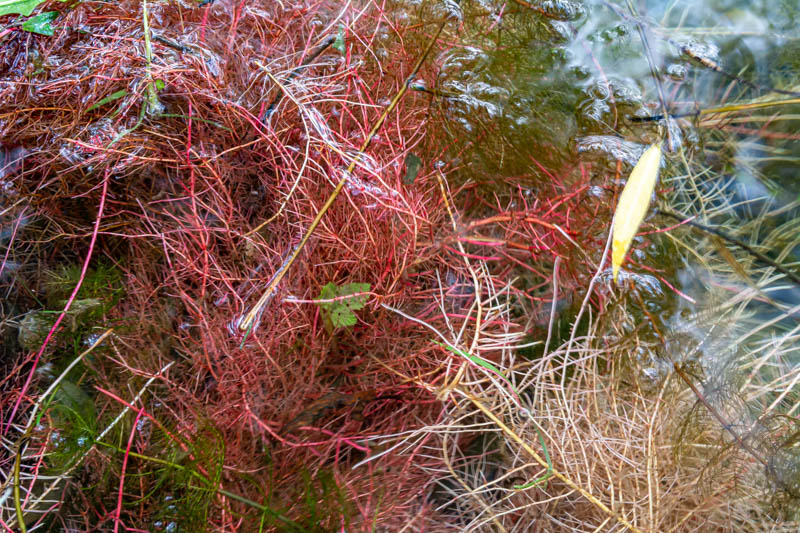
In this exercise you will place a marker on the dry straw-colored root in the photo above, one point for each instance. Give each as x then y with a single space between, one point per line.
627 453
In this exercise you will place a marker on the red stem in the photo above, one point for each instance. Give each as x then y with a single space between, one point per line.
67 306
124 467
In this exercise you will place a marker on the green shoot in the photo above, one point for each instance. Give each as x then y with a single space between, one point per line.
483 363
547 474
338 44
110 98
153 106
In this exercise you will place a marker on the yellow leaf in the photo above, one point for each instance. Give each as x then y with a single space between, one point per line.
633 204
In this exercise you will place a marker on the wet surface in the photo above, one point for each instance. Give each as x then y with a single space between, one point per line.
540 103
560 83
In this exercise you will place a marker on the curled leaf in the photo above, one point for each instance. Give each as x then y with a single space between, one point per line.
633 204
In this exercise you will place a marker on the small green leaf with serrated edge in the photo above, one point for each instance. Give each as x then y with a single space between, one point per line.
41 23
342 317
327 292
341 312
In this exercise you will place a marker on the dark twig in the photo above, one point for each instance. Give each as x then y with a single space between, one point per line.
173 44
434 92
721 109
656 118
733 240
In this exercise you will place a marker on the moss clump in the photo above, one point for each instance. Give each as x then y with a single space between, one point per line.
100 290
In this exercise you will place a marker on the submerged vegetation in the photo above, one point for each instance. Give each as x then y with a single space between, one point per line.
347 266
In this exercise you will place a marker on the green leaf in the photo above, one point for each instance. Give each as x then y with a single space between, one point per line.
413 164
342 317
356 302
338 44
110 98
340 313
41 23
327 292
18 7
160 84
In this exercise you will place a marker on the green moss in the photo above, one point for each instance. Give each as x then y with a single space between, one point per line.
103 283
100 291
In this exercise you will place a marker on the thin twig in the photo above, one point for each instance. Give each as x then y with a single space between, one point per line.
733 240
275 101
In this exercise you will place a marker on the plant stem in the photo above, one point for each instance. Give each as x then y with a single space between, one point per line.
153 105
17 501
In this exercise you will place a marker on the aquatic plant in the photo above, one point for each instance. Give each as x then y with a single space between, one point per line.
330 266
